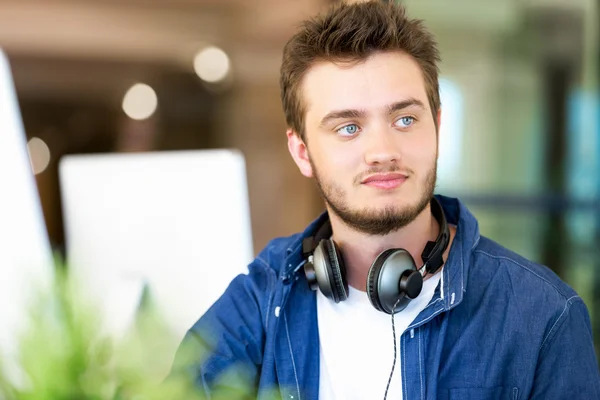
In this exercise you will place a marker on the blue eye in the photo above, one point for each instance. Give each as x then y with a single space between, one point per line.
405 122
348 130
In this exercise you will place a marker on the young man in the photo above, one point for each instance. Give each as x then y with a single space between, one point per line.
392 292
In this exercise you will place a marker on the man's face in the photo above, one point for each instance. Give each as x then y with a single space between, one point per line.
370 141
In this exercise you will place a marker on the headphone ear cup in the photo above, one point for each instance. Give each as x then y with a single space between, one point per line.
329 271
336 271
373 278
391 270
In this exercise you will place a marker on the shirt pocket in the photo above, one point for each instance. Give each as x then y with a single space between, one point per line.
495 393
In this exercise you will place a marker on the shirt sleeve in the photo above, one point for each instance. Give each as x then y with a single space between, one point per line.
567 366
221 354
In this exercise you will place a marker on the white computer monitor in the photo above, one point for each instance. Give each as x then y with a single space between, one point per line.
175 221
26 262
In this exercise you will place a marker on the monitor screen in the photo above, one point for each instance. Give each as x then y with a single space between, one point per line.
174 225
26 263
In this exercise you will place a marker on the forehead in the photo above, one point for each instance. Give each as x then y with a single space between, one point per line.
380 80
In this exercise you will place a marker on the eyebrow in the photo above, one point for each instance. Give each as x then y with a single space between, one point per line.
349 113
401 105
342 114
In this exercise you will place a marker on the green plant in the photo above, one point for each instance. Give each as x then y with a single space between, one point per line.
63 354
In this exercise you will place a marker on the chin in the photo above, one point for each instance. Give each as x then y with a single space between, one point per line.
394 202
389 208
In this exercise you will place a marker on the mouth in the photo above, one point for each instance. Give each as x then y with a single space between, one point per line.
385 181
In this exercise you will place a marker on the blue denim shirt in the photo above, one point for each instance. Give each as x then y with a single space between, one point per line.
501 327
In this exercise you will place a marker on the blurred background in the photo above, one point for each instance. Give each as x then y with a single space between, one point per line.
520 141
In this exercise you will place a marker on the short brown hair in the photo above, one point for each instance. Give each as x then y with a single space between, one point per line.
351 33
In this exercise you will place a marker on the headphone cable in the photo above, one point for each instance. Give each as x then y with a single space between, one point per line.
395 349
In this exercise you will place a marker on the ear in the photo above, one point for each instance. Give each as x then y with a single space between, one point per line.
299 153
439 127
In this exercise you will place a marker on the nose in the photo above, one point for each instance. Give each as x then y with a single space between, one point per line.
382 147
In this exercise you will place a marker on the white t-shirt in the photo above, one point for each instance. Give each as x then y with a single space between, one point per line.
357 348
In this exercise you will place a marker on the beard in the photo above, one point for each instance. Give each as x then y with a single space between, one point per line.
375 221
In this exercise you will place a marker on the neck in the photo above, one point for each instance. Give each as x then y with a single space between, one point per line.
359 250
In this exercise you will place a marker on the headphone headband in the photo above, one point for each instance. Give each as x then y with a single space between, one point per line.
432 254
309 244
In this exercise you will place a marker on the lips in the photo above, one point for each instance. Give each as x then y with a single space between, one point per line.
385 181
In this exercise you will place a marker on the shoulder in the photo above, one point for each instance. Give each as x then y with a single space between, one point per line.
251 292
263 272
524 292
489 257
521 289
274 255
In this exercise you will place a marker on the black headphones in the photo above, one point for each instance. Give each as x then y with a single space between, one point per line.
393 278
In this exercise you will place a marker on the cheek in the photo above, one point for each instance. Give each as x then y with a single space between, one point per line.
423 149
331 158
344 164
